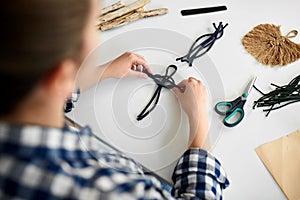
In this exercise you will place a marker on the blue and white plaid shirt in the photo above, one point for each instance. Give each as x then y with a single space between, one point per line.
50 163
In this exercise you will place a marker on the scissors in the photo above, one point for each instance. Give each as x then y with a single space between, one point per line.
233 110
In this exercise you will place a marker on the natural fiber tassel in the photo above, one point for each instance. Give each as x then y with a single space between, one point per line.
269 47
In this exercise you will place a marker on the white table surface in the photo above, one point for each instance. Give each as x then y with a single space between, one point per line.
248 177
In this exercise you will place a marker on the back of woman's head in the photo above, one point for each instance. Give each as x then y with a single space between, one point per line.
35 36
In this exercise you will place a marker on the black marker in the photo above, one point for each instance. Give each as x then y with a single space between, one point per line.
202 10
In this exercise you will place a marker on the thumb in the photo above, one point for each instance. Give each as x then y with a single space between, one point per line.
182 85
176 91
137 74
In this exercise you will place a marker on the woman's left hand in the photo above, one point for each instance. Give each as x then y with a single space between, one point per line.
126 65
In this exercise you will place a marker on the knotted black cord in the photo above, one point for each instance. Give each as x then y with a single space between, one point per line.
280 97
194 51
162 81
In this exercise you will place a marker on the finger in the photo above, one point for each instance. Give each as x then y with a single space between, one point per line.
145 66
192 79
182 83
134 67
142 61
139 68
141 57
138 61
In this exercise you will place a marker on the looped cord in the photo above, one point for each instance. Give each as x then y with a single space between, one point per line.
162 81
292 34
206 44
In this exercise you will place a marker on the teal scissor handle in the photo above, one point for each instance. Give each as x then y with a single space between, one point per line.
233 111
223 108
238 115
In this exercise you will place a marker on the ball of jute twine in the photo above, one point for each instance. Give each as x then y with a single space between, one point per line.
269 47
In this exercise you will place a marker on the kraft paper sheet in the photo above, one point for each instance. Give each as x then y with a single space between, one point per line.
282 158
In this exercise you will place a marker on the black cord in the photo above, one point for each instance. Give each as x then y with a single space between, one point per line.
202 10
162 81
280 97
69 105
195 50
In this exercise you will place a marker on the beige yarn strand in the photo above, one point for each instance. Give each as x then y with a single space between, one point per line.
269 47
292 34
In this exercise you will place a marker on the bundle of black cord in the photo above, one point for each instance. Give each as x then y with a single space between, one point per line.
205 43
162 81
280 97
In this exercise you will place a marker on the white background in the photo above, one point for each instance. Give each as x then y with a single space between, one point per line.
235 149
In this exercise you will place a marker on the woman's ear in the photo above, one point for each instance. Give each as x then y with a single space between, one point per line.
60 80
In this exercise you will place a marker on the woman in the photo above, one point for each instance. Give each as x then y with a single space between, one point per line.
43 43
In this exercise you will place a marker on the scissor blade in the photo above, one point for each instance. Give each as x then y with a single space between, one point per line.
250 86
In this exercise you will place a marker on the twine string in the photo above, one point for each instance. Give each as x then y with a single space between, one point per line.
292 34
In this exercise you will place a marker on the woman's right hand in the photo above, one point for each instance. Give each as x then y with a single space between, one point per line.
193 102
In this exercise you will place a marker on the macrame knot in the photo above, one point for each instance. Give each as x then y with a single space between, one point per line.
277 41
162 81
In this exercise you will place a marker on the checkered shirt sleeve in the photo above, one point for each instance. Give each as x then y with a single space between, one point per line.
199 174
49 163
